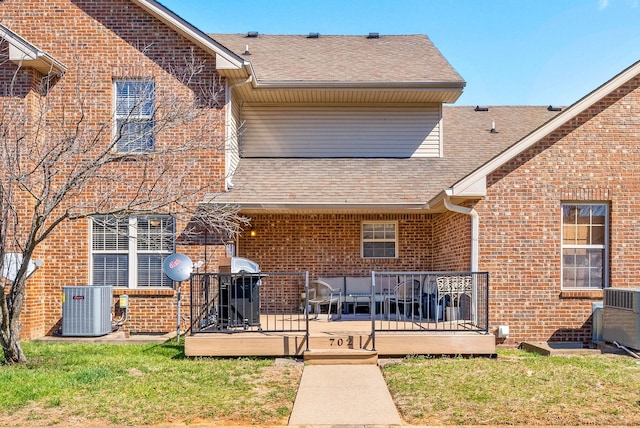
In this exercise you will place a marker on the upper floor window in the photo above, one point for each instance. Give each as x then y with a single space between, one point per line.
129 252
585 231
134 110
379 240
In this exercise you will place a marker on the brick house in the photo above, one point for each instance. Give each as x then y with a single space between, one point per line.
328 137
114 50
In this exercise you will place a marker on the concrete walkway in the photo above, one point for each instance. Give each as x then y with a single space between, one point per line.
343 395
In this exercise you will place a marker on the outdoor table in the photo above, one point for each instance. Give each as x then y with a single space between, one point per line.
359 300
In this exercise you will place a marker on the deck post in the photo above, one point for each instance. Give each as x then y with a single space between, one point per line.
306 308
372 310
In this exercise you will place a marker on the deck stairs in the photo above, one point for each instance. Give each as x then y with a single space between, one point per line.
340 356
341 348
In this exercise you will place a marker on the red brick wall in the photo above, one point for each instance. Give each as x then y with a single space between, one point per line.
451 242
594 157
99 41
329 244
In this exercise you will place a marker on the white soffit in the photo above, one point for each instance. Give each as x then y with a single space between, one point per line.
23 53
471 184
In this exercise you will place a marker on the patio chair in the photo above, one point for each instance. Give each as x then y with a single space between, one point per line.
322 294
406 294
455 296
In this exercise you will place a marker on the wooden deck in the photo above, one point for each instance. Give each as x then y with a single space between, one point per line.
342 336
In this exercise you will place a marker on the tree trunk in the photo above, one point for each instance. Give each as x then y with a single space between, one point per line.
10 341
10 323
12 350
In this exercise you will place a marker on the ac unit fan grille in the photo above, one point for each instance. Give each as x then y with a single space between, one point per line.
620 299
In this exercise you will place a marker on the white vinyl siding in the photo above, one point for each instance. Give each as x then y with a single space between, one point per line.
234 129
341 131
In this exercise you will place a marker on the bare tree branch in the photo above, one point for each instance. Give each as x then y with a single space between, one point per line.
59 163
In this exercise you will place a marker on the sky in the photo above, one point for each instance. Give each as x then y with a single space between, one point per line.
510 52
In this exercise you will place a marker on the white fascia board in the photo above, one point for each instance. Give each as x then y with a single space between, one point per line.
223 63
21 52
229 59
395 86
477 188
473 180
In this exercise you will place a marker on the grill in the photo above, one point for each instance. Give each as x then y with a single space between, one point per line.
239 294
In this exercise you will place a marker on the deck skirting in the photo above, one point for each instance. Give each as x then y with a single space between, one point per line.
387 344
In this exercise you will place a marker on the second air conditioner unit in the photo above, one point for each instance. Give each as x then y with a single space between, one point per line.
621 316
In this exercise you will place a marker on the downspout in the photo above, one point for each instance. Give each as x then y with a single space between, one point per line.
450 206
474 249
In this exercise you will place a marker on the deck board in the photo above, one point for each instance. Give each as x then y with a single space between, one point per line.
343 334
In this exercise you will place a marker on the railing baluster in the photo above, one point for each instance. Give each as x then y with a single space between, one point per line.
441 301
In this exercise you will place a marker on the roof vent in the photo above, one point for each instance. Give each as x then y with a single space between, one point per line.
246 50
313 35
373 36
252 34
481 108
552 108
493 128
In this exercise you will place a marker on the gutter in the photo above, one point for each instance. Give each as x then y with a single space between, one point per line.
452 86
390 206
23 53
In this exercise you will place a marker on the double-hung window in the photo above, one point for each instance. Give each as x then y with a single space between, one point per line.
134 111
379 240
584 245
129 252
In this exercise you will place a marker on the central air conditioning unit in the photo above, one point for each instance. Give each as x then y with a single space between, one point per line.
86 310
621 316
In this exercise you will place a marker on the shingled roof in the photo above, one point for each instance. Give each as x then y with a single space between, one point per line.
383 183
288 58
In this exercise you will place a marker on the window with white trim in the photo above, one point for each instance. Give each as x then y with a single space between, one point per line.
129 252
585 232
133 121
379 240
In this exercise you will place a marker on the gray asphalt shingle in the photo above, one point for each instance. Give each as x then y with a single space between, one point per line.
357 59
468 143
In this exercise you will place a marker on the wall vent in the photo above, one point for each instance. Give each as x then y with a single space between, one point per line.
86 310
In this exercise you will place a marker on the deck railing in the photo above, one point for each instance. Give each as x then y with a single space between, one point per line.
398 301
431 301
266 301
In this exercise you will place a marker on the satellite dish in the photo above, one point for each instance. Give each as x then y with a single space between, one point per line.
178 267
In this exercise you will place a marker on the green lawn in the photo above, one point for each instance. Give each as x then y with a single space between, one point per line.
82 384
66 384
517 388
